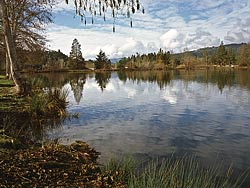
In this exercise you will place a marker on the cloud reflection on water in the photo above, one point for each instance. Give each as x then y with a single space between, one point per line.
140 118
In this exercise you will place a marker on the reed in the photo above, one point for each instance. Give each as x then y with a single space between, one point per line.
47 104
169 173
120 170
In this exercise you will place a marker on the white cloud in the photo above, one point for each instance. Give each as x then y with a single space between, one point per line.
173 25
131 45
169 39
151 46
200 38
240 33
114 45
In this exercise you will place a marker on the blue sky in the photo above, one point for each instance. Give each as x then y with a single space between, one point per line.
169 24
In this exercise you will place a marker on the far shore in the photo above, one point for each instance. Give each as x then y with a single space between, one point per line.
180 67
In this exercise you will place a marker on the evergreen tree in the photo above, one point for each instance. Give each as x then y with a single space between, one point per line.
231 56
159 57
205 55
222 54
102 61
122 63
76 50
167 58
214 59
243 55
81 8
75 56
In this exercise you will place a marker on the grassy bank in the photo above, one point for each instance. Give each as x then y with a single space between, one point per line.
4 82
9 100
25 162
25 119
39 103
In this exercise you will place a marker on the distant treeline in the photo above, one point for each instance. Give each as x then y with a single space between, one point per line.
224 55
48 60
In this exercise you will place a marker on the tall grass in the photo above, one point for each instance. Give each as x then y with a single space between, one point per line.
57 102
120 170
170 173
52 103
45 110
47 101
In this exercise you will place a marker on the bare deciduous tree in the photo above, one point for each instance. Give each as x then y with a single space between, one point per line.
21 26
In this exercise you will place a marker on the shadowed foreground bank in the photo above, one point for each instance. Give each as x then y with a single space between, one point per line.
76 165
53 165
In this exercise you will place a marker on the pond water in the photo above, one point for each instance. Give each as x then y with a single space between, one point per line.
156 114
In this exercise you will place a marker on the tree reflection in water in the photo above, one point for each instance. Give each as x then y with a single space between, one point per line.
162 78
77 84
36 129
102 79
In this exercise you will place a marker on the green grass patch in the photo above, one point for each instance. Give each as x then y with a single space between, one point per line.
2 77
172 173
4 82
10 101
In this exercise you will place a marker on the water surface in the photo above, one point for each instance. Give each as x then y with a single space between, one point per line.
149 114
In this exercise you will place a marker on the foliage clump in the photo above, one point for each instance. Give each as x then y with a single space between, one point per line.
244 55
102 61
51 103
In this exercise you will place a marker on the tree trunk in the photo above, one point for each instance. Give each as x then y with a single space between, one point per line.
10 48
7 66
